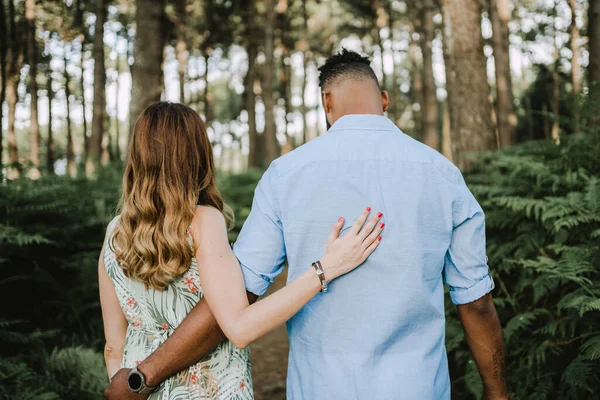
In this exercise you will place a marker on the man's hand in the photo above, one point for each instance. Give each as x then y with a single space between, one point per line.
118 389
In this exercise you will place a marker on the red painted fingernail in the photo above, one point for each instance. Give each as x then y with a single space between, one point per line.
379 215
382 225
379 238
341 219
368 208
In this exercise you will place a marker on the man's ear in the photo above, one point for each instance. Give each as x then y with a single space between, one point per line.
326 97
385 100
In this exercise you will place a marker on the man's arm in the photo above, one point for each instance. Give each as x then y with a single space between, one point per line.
467 273
194 338
484 337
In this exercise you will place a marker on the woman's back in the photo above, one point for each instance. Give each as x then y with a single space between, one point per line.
152 315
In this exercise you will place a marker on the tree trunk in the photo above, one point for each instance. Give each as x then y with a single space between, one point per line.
147 79
376 11
13 152
71 166
593 69
575 68
416 83
391 85
285 74
105 145
468 90
34 128
303 108
505 110
250 97
117 122
83 103
271 145
14 62
529 113
2 80
249 8
429 103
446 134
555 133
99 115
50 157
181 47
206 95
285 92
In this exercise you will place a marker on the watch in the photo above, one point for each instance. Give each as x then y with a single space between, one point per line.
137 382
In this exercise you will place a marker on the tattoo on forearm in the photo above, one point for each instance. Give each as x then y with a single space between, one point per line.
498 361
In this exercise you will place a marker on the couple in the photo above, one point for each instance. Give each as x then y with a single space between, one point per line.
179 305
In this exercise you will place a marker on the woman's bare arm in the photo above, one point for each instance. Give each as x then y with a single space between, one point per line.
115 324
223 283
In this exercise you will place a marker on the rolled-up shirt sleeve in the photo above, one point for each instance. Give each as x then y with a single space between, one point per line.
260 247
465 269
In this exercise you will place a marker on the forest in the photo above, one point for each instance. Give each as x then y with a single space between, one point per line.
508 90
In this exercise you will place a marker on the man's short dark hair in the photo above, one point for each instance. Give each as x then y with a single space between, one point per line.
346 64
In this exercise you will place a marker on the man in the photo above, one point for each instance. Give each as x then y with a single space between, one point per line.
378 333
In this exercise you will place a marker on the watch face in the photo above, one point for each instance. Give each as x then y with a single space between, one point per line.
134 381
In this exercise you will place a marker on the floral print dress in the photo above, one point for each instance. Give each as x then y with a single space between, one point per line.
152 315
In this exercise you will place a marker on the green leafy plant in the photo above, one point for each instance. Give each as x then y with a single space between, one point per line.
542 205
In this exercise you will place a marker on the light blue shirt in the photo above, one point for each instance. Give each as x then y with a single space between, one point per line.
378 333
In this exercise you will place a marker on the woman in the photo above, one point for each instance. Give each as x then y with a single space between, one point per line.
171 236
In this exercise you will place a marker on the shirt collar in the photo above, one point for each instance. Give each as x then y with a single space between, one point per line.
363 121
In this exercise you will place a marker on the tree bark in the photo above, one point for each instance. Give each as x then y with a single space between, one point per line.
50 157
546 123
83 103
593 69
249 8
71 166
14 62
206 94
181 47
99 115
303 108
505 110
147 80
271 144
117 122
376 11
285 74
13 152
34 128
391 85
575 67
2 80
468 90
446 134
416 82
429 102
555 133
250 97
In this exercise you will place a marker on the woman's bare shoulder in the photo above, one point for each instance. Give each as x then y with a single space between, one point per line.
208 219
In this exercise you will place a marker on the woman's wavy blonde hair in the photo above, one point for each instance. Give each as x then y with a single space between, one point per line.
169 171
